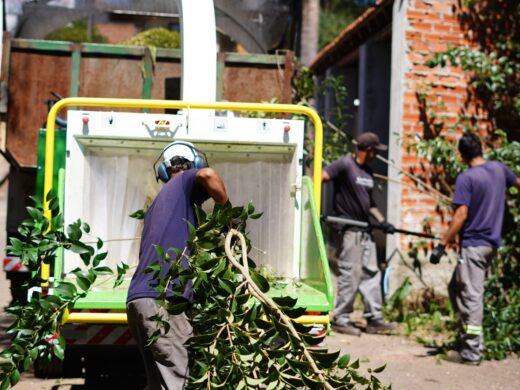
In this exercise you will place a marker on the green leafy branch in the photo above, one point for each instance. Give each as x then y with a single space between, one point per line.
243 337
36 324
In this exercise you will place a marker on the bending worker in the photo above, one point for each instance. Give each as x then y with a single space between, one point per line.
188 181
357 260
479 199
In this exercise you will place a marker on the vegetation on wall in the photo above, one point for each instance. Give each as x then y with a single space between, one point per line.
77 32
492 63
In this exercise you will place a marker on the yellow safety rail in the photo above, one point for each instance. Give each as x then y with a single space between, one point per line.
163 104
120 318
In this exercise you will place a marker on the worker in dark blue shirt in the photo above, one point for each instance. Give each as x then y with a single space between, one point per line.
189 182
479 199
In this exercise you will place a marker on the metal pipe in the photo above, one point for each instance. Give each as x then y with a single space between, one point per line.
351 222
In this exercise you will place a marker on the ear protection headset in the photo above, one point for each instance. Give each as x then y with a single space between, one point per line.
179 149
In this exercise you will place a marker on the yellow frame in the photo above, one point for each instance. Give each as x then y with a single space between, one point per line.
163 104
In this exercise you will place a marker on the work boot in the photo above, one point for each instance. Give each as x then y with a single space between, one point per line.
346 329
455 357
380 326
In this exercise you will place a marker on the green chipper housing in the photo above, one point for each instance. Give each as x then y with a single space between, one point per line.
101 169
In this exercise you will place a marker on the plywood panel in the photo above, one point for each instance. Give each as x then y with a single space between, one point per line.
32 78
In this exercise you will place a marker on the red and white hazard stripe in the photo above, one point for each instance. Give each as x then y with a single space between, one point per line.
108 334
14 264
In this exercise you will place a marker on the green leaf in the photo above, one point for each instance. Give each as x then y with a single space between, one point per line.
139 214
35 213
379 369
176 308
344 361
99 258
74 232
59 352
260 281
294 313
159 251
285 301
15 377
103 270
99 243
66 290
79 248
86 227
83 283
326 359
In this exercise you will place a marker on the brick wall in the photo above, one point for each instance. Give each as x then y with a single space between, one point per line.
432 25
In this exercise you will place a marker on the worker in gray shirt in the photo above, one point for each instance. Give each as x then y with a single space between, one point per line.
479 201
357 260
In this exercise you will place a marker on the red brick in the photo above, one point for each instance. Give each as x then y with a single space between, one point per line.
422 26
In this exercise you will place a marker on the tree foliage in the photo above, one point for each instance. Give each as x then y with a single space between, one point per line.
242 338
336 15
36 325
336 141
492 64
77 32
156 37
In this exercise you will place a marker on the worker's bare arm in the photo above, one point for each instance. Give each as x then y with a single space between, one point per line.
212 182
460 216
517 184
325 177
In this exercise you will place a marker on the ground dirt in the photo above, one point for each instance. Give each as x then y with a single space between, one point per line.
409 366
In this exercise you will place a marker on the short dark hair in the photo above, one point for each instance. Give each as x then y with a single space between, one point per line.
470 146
179 164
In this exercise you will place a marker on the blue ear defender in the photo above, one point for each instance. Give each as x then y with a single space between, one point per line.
198 159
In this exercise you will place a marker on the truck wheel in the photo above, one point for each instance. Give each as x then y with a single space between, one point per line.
52 369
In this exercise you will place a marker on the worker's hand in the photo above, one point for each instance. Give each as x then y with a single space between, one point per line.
437 254
388 228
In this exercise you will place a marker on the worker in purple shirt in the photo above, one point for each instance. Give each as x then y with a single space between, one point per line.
189 182
479 201
357 258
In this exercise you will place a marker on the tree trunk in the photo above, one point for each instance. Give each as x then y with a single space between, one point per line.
310 30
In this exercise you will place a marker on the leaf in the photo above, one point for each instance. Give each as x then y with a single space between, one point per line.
99 243
66 290
344 361
326 359
99 258
139 214
176 308
260 281
35 213
59 352
83 282
103 270
379 369
159 251
86 227
294 313
285 301
15 377
74 232
79 248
